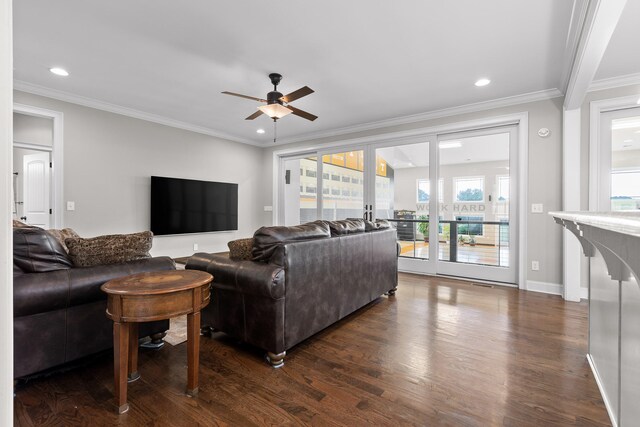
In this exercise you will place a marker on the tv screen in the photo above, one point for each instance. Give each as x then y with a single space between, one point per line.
180 206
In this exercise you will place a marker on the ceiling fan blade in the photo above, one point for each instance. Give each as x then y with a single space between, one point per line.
302 113
254 115
245 96
297 94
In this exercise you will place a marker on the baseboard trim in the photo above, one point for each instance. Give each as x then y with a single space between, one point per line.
607 405
584 293
544 287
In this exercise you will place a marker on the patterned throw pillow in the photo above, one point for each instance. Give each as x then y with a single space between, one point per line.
110 249
240 249
61 235
19 224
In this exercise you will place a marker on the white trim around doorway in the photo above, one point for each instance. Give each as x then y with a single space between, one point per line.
57 157
414 135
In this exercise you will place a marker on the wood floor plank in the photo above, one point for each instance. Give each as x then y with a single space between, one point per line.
441 352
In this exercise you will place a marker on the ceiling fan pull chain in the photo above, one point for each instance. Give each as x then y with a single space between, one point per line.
275 130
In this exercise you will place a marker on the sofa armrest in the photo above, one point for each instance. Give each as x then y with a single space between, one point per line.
40 292
247 277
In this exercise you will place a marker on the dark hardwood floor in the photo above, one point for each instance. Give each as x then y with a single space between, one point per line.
441 352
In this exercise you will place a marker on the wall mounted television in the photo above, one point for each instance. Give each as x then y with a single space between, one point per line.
180 206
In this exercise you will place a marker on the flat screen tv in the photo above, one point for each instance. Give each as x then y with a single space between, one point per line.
180 206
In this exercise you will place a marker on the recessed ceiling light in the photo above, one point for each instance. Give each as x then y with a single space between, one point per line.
59 71
483 82
450 144
467 160
260 131
626 146
628 140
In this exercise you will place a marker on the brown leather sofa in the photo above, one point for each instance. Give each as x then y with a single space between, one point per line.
300 280
59 310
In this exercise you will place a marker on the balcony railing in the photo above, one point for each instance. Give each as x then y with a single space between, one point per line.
471 242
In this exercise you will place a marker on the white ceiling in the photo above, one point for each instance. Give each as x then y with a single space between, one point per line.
621 57
367 60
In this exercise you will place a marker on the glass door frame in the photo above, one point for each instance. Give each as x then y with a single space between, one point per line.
600 176
519 120
508 275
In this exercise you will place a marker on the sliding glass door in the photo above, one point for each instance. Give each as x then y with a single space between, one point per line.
476 210
450 197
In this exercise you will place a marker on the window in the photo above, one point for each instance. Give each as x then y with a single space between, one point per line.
424 190
346 192
503 188
354 180
346 179
325 191
469 189
311 190
470 229
625 194
335 177
335 191
325 176
311 173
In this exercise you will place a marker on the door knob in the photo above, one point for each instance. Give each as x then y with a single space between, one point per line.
24 218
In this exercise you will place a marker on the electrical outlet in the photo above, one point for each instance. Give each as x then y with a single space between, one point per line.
71 206
535 265
195 246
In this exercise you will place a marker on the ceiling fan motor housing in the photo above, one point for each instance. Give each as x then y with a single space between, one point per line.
274 97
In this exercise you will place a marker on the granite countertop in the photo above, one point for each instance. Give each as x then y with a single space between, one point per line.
620 222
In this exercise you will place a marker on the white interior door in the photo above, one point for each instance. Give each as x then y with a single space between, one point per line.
36 189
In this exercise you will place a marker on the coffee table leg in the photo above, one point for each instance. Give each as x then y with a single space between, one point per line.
120 364
193 352
133 373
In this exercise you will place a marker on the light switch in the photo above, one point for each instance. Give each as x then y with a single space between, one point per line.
268 208
537 208
71 206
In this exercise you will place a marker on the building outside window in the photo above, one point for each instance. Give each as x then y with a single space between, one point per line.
503 188
470 229
469 189
424 190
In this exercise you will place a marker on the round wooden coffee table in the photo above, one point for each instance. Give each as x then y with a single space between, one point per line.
146 297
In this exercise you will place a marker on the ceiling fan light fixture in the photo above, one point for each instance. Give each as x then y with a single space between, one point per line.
275 111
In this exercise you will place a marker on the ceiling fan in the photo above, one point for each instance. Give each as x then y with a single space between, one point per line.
277 105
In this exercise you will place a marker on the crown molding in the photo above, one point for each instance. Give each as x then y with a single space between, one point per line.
446 112
614 82
125 111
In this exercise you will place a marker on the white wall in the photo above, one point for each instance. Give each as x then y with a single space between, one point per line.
32 130
544 237
108 161
6 235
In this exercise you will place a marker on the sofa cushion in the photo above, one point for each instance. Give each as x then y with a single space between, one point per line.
240 249
109 249
61 235
266 240
36 251
18 224
347 226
